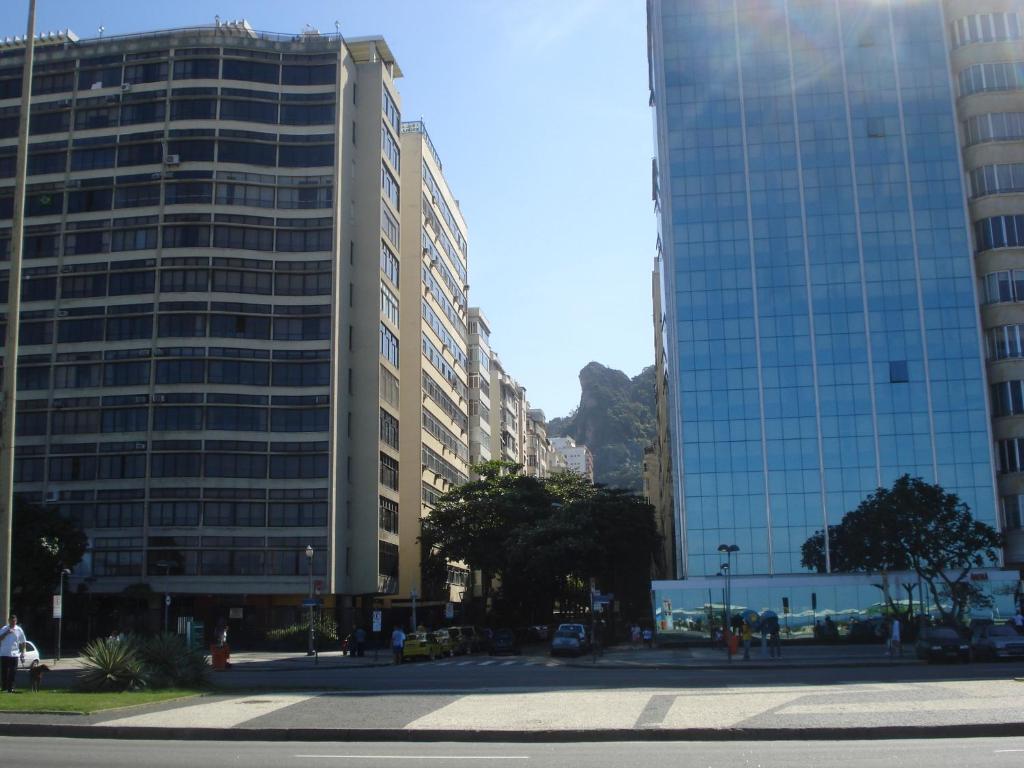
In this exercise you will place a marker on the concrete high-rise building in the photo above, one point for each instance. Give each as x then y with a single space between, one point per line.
987 59
578 458
508 416
207 380
538 448
479 386
820 288
435 361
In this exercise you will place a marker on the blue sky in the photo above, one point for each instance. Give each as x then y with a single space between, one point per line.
538 109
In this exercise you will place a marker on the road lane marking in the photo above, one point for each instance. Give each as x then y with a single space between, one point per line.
417 757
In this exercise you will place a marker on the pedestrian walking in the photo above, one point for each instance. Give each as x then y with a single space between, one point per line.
12 650
1018 620
360 638
895 644
748 635
648 635
398 644
634 635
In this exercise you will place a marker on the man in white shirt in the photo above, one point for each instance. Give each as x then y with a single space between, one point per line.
398 644
12 650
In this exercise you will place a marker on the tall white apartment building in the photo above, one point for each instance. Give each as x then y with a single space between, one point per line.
578 458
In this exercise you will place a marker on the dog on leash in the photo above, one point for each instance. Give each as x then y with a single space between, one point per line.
35 676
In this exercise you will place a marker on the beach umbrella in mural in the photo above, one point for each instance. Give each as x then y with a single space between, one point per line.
751 617
769 619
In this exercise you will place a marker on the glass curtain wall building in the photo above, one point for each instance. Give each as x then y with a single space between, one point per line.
822 327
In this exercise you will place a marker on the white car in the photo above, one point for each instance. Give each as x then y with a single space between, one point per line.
31 657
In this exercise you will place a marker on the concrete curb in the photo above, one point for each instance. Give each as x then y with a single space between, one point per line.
149 733
737 665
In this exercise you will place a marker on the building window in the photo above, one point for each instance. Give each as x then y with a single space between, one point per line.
1013 512
388 472
999 232
898 373
388 345
1010 455
985 28
388 304
388 429
997 179
998 126
388 510
1001 76
1008 398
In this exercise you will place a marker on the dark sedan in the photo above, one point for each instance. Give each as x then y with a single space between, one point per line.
942 644
505 641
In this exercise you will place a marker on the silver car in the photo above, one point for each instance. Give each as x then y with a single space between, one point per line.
997 641
566 642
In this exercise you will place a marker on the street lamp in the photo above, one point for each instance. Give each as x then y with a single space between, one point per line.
309 559
60 619
166 565
727 550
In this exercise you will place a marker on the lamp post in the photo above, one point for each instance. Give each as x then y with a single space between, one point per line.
413 594
309 559
727 550
64 572
166 565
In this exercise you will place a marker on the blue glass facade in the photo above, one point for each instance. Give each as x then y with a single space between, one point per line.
822 322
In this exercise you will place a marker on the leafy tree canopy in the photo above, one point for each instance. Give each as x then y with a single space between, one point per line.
913 526
42 544
544 540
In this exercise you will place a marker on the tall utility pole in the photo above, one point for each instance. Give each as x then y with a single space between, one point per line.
13 313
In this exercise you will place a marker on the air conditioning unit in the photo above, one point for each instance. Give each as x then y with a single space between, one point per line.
51 497
73 183
172 160
159 398
96 86
140 446
62 313
140 399
125 87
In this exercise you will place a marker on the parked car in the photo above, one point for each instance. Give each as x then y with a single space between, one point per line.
538 633
421 645
469 639
997 641
942 644
866 631
580 630
505 641
32 656
446 641
566 642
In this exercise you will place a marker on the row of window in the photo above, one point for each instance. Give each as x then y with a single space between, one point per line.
388 345
249 514
210 465
437 198
43 159
434 462
1004 342
1008 398
388 471
126 373
996 179
458 290
986 28
388 304
205 562
448 341
390 148
109 75
1001 76
1010 455
446 403
388 429
173 418
433 354
445 436
1004 286
434 288
1013 512
74 330
97 198
997 126
999 232
389 264
388 512
192 280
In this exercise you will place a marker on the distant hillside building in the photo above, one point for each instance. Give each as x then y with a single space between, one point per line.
578 458
538 447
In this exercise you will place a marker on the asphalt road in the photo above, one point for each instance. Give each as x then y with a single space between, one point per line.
538 671
95 753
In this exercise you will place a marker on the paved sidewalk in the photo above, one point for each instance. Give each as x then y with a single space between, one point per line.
255 701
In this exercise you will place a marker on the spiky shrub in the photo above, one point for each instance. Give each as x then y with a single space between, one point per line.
112 665
170 663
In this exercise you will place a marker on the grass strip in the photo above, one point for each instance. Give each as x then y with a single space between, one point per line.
66 701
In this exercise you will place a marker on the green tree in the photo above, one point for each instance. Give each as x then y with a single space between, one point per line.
42 544
914 526
544 541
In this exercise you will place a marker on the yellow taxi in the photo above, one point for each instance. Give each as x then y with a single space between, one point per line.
421 645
